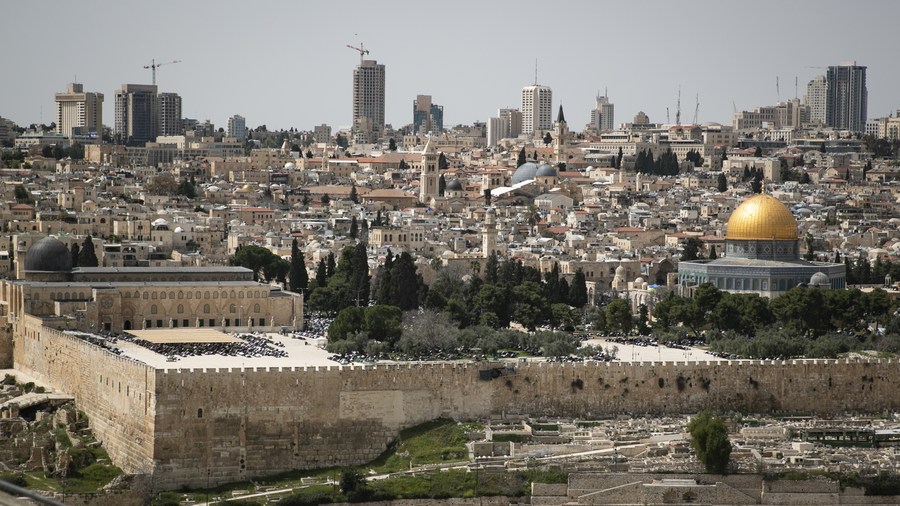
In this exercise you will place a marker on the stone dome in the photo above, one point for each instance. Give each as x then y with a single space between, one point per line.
620 271
546 170
525 172
48 254
762 217
455 186
820 279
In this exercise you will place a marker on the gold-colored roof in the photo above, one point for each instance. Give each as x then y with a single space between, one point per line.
762 217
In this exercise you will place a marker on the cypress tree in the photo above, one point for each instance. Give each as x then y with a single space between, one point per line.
321 273
354 228
384 293
74 253
521 159
299 279
578 290
87 257
329 265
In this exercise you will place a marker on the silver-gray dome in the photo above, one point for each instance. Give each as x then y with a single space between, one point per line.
525 172
48 254
546 170
455 186
820 279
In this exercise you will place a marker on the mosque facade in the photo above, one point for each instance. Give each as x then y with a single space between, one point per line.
118 299
761 255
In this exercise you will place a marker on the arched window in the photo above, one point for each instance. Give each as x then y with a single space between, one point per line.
256 308
162 295
232 308
180 308
205 308
153 309
154 295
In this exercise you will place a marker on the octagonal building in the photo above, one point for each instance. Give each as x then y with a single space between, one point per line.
762 255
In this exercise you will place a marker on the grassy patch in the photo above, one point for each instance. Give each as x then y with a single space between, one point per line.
435 442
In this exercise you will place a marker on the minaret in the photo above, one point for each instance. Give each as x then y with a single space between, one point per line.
428 181
489 233
561 132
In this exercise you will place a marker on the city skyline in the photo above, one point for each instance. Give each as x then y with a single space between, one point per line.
292 69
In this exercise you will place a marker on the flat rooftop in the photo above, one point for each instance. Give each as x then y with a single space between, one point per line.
184 336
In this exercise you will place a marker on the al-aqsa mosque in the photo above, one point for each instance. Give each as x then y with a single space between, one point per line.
762 255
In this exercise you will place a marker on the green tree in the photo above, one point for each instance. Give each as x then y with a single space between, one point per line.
442 185
321 273
442 162
618 161
392 144
406 282
264 264
354 195
548 139
491 269
87 257
619 317
22 195
186 189
758 152
521 159
383 323
709 438
75 251
349 320
692 248
578 295
299 281
721 182
354 228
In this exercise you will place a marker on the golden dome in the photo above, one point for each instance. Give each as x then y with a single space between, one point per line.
762 217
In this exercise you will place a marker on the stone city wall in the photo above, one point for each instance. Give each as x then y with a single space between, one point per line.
207 426
115 392
231 424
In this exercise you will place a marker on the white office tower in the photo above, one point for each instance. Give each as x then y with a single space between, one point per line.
78 112
815 98
537 109
603 115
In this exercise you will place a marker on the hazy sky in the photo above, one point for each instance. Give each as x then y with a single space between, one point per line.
286 64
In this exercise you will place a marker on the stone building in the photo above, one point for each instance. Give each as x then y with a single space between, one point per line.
126 298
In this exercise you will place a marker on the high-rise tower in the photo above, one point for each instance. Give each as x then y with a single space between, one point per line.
237 126
368 99
137 113
427 116
603 115
815 99
78 112
537 109
847 98
170 123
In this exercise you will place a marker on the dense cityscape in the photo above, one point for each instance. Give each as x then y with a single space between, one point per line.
351 275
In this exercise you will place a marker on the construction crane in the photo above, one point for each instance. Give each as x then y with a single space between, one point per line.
361 49
153 66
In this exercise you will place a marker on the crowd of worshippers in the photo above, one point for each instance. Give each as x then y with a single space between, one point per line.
250 346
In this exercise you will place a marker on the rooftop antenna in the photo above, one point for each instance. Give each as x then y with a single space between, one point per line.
697 109
796 93
361 49
535 72
678 109
668 118
777 90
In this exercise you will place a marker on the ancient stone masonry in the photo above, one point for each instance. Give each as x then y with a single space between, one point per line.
221 425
